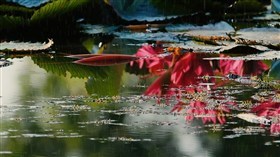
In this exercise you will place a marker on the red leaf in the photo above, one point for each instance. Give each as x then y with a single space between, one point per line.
107 59
80 56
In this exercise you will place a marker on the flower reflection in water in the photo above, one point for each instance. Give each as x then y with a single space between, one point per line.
150 58
199 109
242 67
187 76
181 76
271 110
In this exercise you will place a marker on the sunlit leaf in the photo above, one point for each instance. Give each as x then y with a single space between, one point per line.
25 46
57 9
107 60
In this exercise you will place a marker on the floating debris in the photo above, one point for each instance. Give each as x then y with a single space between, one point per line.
252 118
120 139
248 130
98 122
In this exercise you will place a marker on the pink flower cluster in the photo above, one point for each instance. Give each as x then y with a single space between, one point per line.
177 69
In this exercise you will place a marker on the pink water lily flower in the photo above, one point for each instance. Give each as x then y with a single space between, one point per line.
176 69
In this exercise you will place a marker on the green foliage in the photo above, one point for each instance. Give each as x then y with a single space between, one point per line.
16 11
11 22
57 9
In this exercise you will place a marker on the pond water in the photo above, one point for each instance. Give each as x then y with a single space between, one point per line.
144 90
51 106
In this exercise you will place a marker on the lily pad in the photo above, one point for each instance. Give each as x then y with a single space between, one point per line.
275 69
275 5
25 46
266 35
269 55
141 10
57 9
219 28
29 3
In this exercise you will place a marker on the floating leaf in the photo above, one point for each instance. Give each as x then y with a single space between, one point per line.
211 28
265 35
107 60
269 55
25 46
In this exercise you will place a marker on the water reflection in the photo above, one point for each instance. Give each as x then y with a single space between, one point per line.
76 125
193 81
76 110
